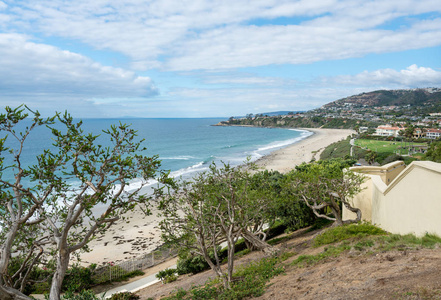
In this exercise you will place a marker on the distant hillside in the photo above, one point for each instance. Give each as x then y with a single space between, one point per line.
414 97
272 113
280 113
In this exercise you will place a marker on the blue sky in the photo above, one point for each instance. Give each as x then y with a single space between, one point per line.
199 58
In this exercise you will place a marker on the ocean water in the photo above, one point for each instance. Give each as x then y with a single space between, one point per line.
185 146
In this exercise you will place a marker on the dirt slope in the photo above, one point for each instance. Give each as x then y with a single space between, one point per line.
410 274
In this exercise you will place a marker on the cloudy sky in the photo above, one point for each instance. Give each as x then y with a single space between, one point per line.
200 58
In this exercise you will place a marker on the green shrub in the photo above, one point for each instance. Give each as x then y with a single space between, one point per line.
124 296
363 244
340 233
167 275
391 158
78 278
38 277
83 295
276 229
191 264
250 282
402 242
320 223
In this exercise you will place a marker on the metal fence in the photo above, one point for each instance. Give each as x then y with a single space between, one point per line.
111 272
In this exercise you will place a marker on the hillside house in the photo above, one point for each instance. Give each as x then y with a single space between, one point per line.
433 133
419 133
388 130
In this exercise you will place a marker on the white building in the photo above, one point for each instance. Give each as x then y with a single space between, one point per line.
433 133
387 130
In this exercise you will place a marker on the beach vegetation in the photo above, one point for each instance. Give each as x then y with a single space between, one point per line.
45 219
82 295
78 278
217 206
124 296
167 275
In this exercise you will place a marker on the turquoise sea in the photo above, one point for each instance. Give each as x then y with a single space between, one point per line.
185 146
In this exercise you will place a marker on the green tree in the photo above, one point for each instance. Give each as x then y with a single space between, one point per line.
215 207
408 134
325 186
371 156
434 152
63 211
284 206
20 204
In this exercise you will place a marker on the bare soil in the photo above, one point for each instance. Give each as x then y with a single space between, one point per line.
409 274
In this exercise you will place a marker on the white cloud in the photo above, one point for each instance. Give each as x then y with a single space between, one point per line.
241 78
411 77
211 41
189 35
236 47
31 68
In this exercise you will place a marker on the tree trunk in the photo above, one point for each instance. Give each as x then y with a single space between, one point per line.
217 269
354 210
258 243
6 291
57 279
231 246
337 214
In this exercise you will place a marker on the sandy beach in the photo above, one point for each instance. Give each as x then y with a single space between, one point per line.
285 159
139 234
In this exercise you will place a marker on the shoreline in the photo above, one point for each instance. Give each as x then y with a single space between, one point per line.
125 241
286 158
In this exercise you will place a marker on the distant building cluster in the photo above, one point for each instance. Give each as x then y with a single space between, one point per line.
396 131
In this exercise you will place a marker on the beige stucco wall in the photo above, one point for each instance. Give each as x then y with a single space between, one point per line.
387 172
410 203
363 200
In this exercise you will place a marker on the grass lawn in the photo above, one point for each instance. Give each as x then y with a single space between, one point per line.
385 146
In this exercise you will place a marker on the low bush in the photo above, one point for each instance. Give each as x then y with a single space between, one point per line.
79 278
82 295
124 296
403 242
167 275
251 281
191 264
340 233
